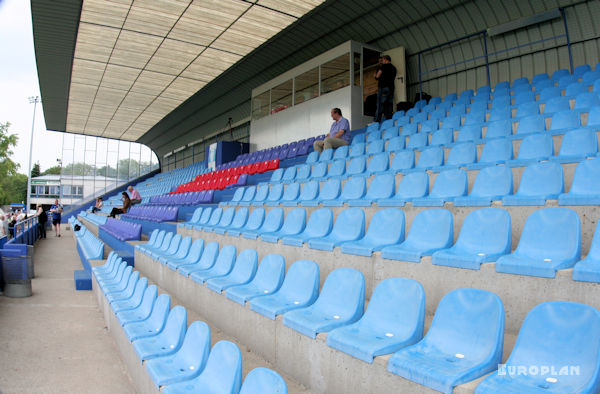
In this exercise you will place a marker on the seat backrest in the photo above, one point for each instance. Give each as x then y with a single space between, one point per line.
174 246
574 329
294 222
586 179
139 291
319 223
430 126
378 162
194 251
382 186
450 183
541 179
326 155
337 168
452 122
565 119
468 322
270 273
531 124
330 190
575 88
289 174
496 150
395 144
215 217
413 185
539 77
431 157
409 129
206 215
310 191
579 142
554 233
417 141
357 150
240 218
145 308
485 231
356 166
463 153
375 147
301 282
403 160
499 129
175 326
567 80
273 221
546 94
319 170
166 242
349 224
312 157
256 218
475 118
209 255
386 227
442 137
493 181
225 261
397 306
558 74
580 70
245 266
277 175
263 380
536 146
303 172
291 192
227 217
195 218
586 100
431 227
276 192
342 295
503 113
196 345
526 109
354 188
391 132
223 370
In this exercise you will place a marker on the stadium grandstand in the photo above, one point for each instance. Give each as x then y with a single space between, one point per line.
453 246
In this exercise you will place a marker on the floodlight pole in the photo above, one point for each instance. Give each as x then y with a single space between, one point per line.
32 100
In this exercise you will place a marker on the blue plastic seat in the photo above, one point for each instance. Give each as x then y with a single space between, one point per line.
556 104
276 176
520 81
413 185
430 126
326 155
249 194
312 157
243 271
582 69
168 341
431 230
391 132
378 163
238 221
442 137
491 184
499 129
585 189
180 254
127 291
319 224
268 279
497 151
577 145
375 147
330 191
464 342
191 257
290 194
452 122
484 237
215 216
142 311
448 185
417 141
588 269
204 262
309 192
590 77
564 121
187 225
358 139
386 228
567 80
357 166
302 172
474 118
272 223
349 226
429 158
394 319
151 324
533 148
222 266
263 381
226 219
419 117
504 113
337 169
341 302
381 187
300 288
261 195
274 196
294 223
573 329
187 362
255 220
357 150
530 124
373 135
354 189
576 88
237 196
161 244
460 155
585 101
119 304
539 77
403 160
222 373
396 144
539 182
558 74
527 109
593 120
341 152
550 241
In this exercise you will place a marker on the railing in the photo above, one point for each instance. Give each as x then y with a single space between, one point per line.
19 230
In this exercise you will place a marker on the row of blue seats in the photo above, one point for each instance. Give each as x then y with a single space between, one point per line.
98 220
464 342
550 240
177 358
539 182
90 245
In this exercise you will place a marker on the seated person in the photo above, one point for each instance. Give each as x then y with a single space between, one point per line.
124 208
338 134
134 195
98 206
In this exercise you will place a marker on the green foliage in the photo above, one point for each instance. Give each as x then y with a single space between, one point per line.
36 171
7 142
52 171
13 189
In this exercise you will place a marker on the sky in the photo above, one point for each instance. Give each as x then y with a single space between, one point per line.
18 81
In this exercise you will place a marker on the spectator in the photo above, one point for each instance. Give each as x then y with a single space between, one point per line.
2 225
385 76
11 225
124 208
21 216
98 206
338 134
134 196
42 220
56 210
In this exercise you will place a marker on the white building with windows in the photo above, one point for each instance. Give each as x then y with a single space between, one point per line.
69 190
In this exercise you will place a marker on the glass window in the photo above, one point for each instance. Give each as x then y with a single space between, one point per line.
335 74
307 86
281 97
370 66
356 68
260 105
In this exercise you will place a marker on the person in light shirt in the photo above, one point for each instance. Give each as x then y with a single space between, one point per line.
134 195
338 134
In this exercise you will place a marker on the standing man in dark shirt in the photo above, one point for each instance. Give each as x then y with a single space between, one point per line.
385 76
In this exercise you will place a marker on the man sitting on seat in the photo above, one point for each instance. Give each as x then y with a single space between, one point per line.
338 134
134 195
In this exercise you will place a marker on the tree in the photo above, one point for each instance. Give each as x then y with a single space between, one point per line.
35 171
52 171
13 189
7 142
